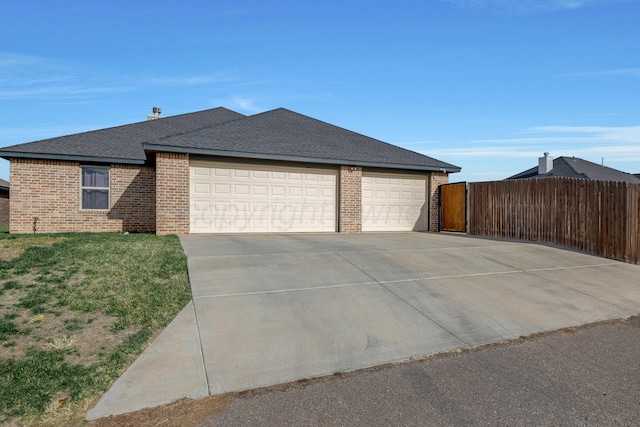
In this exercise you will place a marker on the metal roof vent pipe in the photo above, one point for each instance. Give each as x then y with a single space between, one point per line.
545 164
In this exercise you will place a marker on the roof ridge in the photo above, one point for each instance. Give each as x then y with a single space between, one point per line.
343 129
569 165
200 128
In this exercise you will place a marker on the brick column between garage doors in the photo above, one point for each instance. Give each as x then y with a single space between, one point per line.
350 199
172 193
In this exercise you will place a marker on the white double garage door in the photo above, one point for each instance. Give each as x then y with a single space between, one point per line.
236 198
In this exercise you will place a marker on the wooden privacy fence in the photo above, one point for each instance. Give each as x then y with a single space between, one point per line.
598 217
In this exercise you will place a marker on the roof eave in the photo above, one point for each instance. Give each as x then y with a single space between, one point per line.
8 155
241 154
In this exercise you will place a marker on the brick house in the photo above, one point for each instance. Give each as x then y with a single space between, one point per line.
218 171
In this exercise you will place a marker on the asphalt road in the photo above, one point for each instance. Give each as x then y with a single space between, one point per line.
584 377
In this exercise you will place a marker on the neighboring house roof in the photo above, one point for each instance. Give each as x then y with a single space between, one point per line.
4 185
275 135
572 167
121 144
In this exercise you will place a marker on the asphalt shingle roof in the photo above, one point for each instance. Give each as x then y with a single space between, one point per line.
121 142
572 167
278 134
284 134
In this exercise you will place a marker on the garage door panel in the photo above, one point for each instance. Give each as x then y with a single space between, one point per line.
241 190
200 172
221 190
393 203
202 224
295 191
329 193
202 206
260 190
278 190
202 189
243 198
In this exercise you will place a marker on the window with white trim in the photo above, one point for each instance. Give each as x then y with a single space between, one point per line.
95 187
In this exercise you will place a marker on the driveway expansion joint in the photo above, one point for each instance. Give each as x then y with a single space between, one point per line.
404 301
200 349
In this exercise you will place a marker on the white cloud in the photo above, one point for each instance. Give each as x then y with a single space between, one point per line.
30 77
196 80
58 91
240 103
632 72
9 61
15 135
531 6
616 144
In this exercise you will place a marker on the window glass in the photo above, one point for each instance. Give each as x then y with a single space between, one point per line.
95 187
95 199
95 177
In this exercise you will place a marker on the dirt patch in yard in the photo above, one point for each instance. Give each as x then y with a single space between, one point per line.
31 319
182 413
13 248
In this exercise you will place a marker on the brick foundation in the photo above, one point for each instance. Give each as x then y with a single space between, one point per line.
50 191
436 180
172 193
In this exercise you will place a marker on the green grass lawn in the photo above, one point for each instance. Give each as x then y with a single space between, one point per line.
75 311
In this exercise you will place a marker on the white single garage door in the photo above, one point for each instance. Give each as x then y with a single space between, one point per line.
394 202
237 198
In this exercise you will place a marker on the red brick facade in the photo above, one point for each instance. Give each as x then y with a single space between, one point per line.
172 193
144 198
50 191
436 180
350 199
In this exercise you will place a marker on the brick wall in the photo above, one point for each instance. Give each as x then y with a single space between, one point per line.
437 179
50 191
172 193
350 200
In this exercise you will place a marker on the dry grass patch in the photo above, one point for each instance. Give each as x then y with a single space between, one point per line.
11 247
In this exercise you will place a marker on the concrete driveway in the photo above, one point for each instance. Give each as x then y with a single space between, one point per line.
269 309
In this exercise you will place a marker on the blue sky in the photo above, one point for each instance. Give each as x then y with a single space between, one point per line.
488 85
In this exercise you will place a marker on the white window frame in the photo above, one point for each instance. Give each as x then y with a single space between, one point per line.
83 187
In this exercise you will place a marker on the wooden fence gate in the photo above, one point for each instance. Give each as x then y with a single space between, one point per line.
453 207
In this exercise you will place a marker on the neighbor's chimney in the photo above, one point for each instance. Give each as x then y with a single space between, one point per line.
545 164
156 114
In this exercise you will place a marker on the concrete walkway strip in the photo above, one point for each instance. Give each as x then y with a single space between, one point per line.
269 309
169 369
